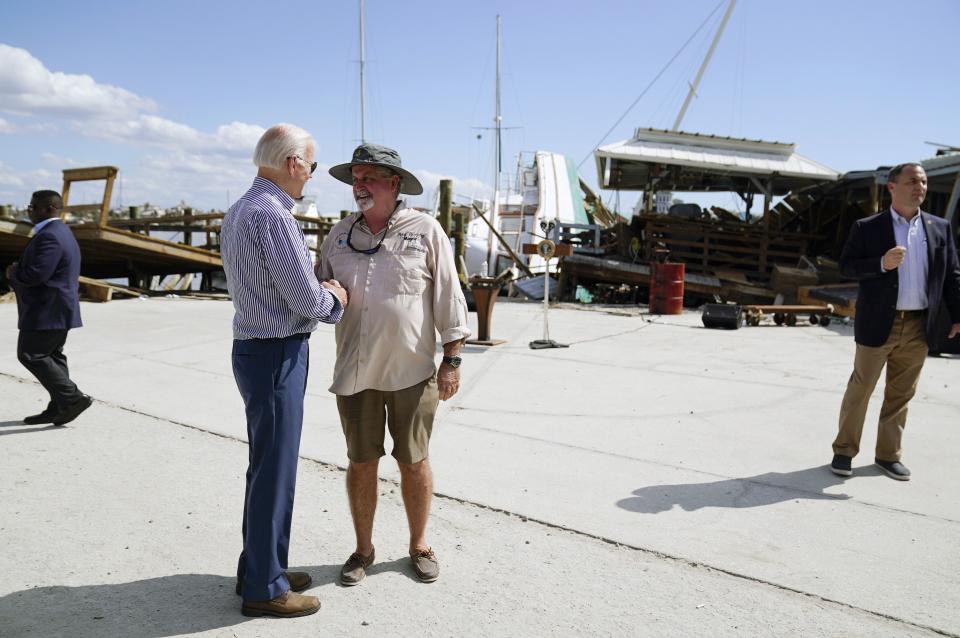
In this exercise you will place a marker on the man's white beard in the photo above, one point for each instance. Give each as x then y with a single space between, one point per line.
364 203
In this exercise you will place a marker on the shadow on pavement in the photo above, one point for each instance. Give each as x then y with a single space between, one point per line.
323 574
150 608
400 565
26 429
753 491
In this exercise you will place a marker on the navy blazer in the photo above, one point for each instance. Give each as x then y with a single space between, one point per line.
870 238
47 280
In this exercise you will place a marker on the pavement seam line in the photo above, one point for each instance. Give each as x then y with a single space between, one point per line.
604 539
490 508
611 336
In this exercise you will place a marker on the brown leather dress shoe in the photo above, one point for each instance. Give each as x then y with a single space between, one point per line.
355 569
287 605
298 581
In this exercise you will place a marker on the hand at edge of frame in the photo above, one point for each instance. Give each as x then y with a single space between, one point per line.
448 381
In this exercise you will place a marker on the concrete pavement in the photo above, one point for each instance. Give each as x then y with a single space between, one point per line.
655 478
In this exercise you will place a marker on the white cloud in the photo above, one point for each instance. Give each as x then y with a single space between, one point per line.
238 136
181 163
40 127
203 180
102 111
8 127
152 130
8 177
57 161
27 86
463 188
23 183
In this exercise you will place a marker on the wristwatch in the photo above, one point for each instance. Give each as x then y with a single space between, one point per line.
453 362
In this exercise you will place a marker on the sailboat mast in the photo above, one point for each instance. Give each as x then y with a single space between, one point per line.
498 119
363 130
703 67
492 247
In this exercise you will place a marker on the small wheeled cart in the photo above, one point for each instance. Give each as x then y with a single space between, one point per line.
788 314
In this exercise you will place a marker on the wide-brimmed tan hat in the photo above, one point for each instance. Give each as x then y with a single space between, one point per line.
376 155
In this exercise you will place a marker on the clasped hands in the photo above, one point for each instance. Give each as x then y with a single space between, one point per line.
337 289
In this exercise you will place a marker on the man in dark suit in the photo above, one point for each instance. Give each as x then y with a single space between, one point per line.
46 281
906 261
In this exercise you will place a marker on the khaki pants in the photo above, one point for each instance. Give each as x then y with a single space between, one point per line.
903 353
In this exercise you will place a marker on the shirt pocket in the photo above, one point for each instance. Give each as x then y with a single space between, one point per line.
406 274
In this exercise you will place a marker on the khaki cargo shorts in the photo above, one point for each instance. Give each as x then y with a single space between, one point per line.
408 413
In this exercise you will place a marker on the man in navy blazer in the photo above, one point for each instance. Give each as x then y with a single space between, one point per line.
46 281
906 263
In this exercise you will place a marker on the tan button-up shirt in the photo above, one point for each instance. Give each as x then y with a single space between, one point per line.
400 298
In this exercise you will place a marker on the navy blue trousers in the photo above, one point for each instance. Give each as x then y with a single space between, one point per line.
272 377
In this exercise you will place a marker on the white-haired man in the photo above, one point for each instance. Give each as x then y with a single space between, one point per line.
278 303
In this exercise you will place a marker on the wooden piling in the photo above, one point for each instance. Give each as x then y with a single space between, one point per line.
460 244
446 200
187 221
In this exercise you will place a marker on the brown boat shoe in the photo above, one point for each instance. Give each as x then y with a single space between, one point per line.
289 604
298 581
425 564
355 569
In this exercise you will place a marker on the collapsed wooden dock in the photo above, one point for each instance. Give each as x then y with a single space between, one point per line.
109 252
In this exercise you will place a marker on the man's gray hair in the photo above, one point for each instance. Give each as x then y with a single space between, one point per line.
280 142
386 173
894 173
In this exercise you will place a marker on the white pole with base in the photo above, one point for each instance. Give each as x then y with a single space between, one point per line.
546 249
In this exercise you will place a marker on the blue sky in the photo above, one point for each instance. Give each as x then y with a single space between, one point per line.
176 93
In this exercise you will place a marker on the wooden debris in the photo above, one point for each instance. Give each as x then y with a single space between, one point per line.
786 280
843 297
100 290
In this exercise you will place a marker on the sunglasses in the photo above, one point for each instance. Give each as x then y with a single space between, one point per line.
367 251
312 165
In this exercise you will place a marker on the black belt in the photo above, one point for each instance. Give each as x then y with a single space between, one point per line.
903 314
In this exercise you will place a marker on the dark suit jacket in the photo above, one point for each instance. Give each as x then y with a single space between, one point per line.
47 280
869 239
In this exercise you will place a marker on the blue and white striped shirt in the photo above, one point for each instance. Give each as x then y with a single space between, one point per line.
269 270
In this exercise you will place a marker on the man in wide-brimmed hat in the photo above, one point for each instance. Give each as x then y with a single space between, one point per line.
397 265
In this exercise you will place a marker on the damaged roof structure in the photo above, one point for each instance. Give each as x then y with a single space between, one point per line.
795 243
656 160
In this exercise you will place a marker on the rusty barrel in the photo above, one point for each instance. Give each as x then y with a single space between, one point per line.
666 289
